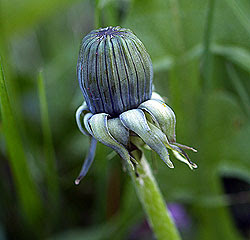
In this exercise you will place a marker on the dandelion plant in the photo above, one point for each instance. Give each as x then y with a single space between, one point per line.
122 111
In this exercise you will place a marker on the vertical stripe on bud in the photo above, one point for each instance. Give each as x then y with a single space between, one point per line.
114 71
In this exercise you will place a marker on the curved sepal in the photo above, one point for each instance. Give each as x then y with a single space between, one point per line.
177 151
182 159
118 131
156 96
185 147
163 115
86 122
99 126
135 121
79 112
88 161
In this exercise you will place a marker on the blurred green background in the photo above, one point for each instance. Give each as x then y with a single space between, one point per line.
201 56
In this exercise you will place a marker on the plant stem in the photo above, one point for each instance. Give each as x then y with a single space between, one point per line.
153 203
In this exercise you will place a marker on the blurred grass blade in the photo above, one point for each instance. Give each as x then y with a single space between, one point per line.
207 66
98 14
50 172
241 11
165 63
236 81
27 191
162 64
237 55
175 11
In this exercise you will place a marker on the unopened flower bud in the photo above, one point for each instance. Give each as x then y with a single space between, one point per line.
114 71
115 75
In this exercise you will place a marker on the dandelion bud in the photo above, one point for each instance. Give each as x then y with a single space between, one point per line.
114 71
115 75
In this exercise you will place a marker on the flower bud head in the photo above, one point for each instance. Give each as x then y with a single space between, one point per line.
114 71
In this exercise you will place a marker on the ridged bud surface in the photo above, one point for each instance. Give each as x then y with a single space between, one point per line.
114 71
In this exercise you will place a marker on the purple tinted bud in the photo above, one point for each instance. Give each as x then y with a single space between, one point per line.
114 71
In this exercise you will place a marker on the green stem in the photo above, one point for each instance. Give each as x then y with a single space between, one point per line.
153 203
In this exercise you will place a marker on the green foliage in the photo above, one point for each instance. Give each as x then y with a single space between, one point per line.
201 55
27 192
50 168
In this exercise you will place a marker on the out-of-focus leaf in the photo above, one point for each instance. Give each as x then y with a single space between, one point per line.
221 115
27 191
241 10
235 54
242 92
207 58
162 64
236 158
51 173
